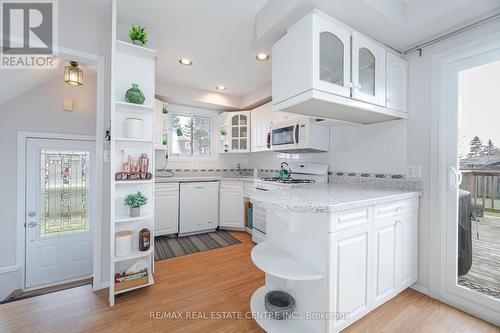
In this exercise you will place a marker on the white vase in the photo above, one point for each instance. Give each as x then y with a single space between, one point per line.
133 128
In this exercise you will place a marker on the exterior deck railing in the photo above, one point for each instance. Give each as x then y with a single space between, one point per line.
484 187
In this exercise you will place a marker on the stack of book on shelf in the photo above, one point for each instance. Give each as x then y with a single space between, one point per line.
126 281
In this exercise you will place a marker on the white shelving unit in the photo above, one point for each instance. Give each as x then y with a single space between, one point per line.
131 64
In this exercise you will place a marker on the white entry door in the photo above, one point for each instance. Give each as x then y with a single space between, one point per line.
59 210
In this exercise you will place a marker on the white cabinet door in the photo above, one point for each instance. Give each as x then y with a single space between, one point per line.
261 126
397 82
350 274
331 63
385 260
166 209
232 208
239 132
408 234
368 70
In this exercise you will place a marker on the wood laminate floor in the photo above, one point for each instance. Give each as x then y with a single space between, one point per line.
200 284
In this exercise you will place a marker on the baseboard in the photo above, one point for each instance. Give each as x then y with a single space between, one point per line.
422 289
248 230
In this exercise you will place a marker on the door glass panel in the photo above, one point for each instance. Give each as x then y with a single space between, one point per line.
283 136
64 192
366 71
234 120
243 144
234 144
243 120
478 218
331 58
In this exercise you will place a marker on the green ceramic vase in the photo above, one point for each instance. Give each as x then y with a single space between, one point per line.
134 95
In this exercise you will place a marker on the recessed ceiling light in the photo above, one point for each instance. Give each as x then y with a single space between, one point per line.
185 61
262 57
220 87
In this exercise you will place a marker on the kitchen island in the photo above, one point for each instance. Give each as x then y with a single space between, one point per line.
340 250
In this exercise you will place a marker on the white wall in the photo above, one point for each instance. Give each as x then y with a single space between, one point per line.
419 133
40 110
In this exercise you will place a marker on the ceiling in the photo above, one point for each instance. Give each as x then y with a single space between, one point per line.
222 37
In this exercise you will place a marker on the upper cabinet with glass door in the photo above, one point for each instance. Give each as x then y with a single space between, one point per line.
239 132
322 68
368 70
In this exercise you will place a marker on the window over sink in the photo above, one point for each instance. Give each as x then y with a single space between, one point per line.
190 136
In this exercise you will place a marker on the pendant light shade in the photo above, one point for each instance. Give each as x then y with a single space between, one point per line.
73 74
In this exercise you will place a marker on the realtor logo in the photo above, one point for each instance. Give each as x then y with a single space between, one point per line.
29 33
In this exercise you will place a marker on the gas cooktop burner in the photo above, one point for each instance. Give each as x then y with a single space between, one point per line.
288 181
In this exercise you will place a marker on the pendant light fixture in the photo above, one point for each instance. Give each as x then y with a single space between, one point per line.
73 74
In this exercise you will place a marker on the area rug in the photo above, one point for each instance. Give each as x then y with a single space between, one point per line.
171 247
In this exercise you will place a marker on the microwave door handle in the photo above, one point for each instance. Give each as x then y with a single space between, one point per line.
296 134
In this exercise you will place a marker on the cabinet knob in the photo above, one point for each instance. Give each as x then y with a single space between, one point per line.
389 99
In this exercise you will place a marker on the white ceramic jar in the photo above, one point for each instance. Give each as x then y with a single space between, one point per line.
133 128
123 243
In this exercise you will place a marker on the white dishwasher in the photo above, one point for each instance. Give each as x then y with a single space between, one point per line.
199 207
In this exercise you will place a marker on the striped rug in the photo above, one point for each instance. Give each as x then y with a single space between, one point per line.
171 247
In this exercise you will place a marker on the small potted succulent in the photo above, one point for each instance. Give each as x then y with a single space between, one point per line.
164 109
138 35
135 201
222 134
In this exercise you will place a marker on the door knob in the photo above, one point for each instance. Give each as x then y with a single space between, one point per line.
31 213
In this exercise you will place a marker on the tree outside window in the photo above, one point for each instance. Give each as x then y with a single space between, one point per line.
190 135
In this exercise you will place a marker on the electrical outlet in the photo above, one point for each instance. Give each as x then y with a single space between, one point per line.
414 171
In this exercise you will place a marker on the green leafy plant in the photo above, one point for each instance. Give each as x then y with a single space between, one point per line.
222 132
138 33
135 200
164 109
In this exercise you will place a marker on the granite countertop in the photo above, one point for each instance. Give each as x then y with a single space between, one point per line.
174 179
323 198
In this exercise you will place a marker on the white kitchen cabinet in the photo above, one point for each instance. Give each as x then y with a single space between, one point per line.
314 54
232 207
166 208
351 274
386 260
396 83
318 72
236 125
408 250
368 70
261 127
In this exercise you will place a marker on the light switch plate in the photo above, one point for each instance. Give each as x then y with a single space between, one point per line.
68 104
414 171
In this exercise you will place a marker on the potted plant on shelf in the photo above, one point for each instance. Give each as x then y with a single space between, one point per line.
138 35
222 134
135 201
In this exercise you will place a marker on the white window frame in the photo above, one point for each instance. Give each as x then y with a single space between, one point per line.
214 156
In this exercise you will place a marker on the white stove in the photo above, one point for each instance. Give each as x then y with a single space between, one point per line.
300 175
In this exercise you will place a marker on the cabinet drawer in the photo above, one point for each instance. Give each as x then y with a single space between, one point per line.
350 218
166 186
394 208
